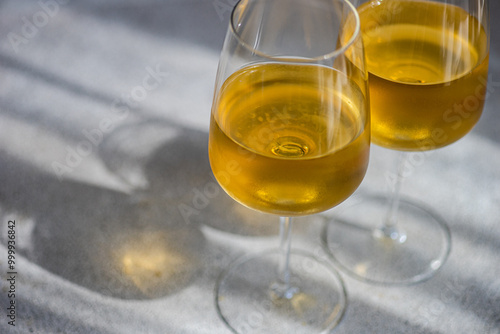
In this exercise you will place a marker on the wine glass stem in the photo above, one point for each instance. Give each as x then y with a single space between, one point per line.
390 228
285 246
282 287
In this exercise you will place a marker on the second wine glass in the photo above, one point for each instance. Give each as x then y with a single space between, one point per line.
289 136
427 62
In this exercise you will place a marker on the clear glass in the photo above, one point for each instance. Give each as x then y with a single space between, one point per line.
289 136
427 62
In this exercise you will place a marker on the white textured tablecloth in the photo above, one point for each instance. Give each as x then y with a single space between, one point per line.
119 225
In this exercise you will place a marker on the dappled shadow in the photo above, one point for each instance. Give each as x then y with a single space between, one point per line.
99 238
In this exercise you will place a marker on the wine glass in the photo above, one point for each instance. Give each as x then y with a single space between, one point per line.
427 62
290 136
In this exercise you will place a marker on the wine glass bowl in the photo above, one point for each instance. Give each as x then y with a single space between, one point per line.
290 136
427 62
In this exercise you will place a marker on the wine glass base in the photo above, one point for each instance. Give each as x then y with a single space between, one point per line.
410 253
247 302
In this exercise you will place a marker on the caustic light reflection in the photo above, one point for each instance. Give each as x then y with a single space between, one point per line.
155 262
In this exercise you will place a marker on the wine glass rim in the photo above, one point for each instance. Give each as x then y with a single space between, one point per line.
356 33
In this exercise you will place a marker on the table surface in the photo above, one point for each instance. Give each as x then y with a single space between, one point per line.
119 226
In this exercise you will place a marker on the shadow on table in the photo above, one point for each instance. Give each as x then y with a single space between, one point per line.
168 167
99 238
142 245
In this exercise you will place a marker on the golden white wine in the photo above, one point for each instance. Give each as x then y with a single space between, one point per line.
289 139
427 65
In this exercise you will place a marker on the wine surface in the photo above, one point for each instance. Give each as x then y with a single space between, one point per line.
427 65
289 139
